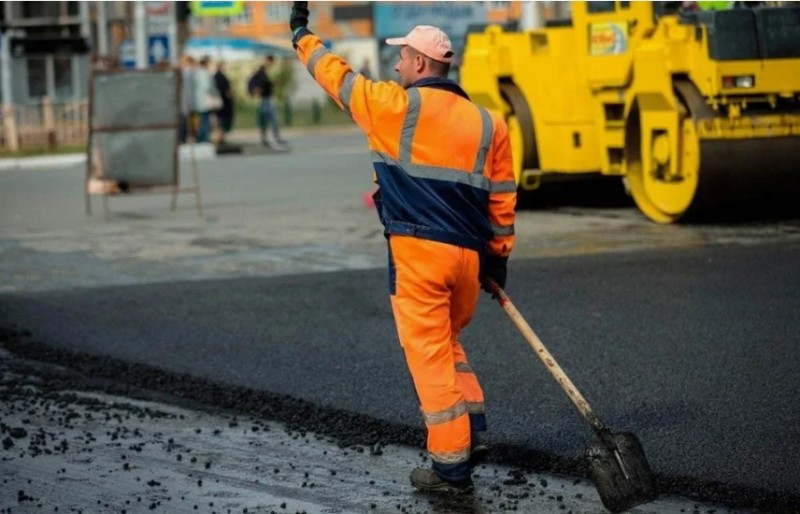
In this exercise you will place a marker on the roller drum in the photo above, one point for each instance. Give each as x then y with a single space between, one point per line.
747 178
721 178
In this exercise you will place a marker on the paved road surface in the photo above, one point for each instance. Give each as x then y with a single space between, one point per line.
685 335
693 350
73 449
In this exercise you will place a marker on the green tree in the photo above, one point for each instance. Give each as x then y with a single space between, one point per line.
283 79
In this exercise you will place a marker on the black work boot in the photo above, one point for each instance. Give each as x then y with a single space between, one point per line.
427 481
479 450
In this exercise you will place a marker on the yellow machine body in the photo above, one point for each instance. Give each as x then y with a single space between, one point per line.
697 112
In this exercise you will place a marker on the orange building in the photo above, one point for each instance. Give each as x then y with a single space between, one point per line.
269 21
350 25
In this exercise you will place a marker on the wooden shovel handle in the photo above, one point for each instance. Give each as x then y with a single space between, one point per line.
545 356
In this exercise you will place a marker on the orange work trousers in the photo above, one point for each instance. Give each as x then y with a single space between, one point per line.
435 290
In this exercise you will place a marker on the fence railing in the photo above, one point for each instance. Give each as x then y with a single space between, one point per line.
47 124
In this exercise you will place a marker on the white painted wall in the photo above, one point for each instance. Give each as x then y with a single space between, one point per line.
356 50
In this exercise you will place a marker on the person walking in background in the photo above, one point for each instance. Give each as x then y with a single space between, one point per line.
225 113
187 97
365 70
206 99
447 200
261 86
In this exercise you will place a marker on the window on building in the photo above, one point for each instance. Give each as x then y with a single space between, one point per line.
352 12
245 17
218 23
49 9
62 72
277 12
597 7
41 9
37 77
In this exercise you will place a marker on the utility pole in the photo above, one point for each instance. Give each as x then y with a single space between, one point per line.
9 118
102 29
532 17
5 70
8 99
140 22
86 21
172 36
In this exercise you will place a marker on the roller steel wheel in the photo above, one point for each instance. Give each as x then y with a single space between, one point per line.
662 196
725 178
520 130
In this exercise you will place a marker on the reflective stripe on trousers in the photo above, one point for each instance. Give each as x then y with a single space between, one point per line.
436 293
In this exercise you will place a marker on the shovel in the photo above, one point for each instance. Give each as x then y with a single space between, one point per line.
618 466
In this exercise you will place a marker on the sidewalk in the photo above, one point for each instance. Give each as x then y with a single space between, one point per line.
41 161
203 151
252 134
268 214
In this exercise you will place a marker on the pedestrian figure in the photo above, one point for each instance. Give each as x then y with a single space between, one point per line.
206 99
365 70
447 200
187 97
225 113
261 86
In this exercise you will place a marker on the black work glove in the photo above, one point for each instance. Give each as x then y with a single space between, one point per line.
299 17
495 268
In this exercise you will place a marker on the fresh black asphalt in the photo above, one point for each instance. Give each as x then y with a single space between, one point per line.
694 350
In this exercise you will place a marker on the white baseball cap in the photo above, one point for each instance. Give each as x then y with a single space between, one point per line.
428 40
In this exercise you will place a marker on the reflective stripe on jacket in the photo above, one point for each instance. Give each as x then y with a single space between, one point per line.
443 164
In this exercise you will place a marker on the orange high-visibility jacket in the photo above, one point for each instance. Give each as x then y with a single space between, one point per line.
442 163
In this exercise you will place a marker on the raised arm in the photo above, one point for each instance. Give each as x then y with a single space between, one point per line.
364 100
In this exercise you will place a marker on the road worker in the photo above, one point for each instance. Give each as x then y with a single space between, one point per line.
446 197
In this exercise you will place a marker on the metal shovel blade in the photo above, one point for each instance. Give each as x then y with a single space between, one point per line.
621 473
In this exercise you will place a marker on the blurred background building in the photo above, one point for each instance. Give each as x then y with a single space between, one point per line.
48 49
45 50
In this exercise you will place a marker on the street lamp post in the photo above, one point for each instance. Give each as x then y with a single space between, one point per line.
140 21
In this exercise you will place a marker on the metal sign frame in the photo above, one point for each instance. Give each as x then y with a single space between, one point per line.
96 183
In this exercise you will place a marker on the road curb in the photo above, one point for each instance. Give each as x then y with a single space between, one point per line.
42 161
202 151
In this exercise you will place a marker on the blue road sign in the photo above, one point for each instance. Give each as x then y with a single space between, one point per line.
157 49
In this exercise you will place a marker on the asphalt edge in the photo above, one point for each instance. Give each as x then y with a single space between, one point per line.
133 379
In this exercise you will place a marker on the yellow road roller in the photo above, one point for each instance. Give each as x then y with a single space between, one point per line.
698 111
